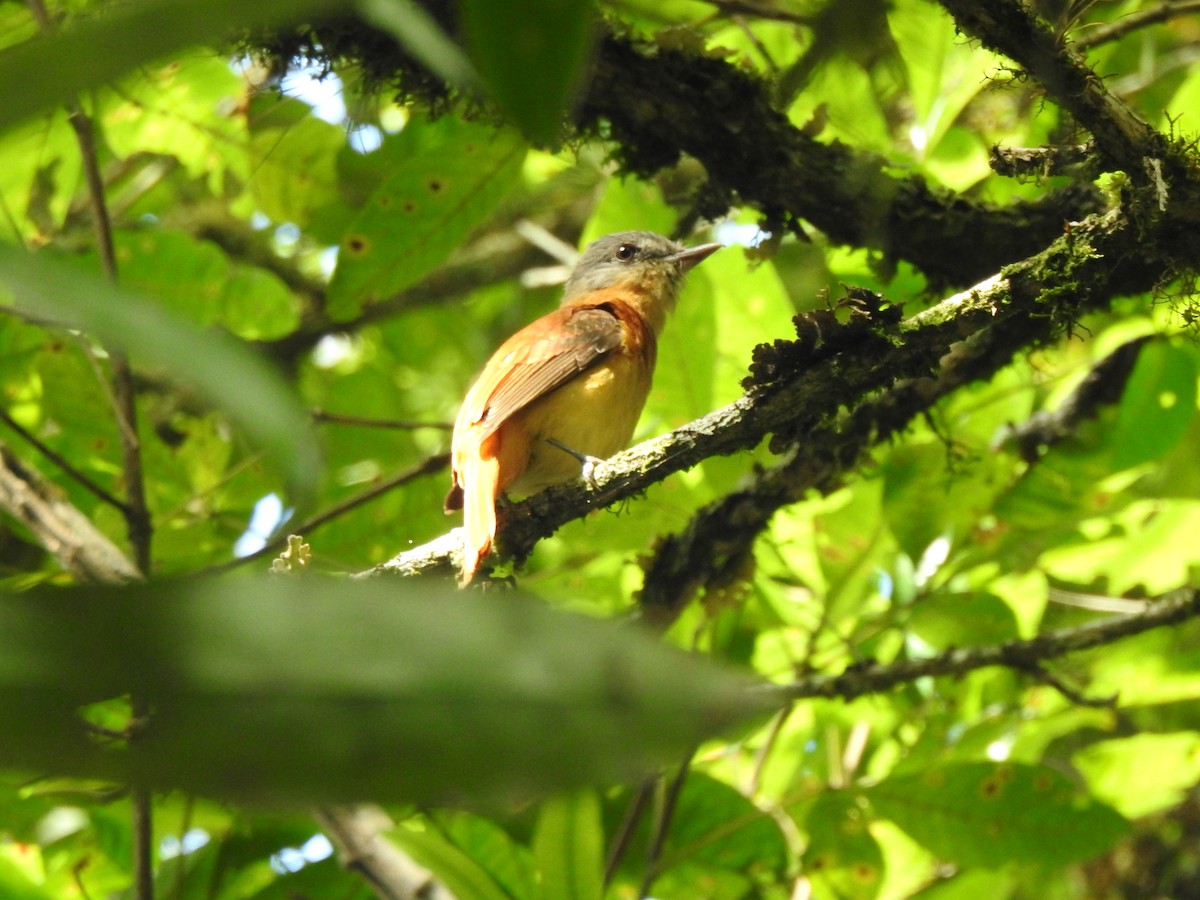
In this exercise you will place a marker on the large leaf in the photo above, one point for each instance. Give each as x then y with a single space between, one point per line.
446 185
531 55
305 690
214 365
842 855
1029 814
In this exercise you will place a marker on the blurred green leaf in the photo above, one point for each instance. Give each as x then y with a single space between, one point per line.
305 691
531 56
568 846
488 845
199 281
1143 773
451 180
214 365
1157 406
98 49
969 619
989 814
717 825
413 26
457 869
294 157
187 108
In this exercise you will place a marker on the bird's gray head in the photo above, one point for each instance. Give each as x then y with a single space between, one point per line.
647 260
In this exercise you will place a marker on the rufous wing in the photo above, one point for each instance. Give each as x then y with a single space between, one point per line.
537 359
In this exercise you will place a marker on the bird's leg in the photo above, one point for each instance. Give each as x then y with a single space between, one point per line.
588 462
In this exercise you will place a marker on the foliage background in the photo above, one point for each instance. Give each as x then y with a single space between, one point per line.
378 258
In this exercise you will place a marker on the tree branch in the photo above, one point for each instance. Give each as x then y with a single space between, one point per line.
840 397
356 833
63 530
659 103
875 678
652 104
1114 31
1008 27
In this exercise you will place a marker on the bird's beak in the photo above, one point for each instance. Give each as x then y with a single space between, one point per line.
685 259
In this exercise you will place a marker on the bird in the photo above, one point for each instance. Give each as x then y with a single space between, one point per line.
567 389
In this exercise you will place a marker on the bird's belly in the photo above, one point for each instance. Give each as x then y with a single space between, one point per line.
593 414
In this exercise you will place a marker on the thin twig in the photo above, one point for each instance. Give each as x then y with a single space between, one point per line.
321 415
662 827
627 828
875 678
1113 31
426 467
59 460
137 515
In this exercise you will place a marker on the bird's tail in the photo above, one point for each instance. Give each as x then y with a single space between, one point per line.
479 512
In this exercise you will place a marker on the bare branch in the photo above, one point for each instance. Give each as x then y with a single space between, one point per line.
356 832
62 529
1096 35
875 678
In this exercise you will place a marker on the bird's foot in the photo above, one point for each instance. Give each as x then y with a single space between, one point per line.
589 463
589 470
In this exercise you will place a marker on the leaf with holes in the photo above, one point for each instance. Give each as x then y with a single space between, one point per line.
449 178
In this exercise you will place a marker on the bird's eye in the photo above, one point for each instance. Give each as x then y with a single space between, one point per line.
626 252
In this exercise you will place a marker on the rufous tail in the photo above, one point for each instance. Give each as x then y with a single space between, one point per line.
481 484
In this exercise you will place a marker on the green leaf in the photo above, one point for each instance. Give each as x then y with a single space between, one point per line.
717 825
199 281
459 871
451 179
295 160
966 619
419 32
842 857
509 863
568 845
16 883
216 366
531 55
186 109
1117 770
988 814
306 691
1158 405
98 49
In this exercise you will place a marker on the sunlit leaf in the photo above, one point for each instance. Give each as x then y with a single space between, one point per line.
452 179
459 870
1117 770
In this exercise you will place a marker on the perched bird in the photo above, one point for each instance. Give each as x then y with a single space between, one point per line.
568 386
